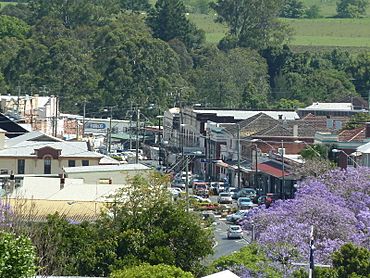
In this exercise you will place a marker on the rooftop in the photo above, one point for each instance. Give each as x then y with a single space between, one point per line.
106 168
244 114
337 106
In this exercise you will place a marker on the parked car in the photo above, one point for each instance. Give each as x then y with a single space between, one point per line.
179 184
201 189
233 192
220 187
236 216
245 203
247 192
200 199
213 187
175 193
224 198
234 231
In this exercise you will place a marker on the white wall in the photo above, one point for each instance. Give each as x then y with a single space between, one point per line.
117 177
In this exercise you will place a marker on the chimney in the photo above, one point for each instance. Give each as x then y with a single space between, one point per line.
62 181
295 130
2 139
367 130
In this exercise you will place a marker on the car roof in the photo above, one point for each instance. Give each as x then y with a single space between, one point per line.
234 226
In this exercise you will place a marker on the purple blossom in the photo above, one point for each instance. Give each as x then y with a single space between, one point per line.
337 204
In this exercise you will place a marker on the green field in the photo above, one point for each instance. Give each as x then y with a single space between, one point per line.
3 4
308 32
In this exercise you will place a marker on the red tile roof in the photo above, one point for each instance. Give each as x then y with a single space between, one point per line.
349 135
272 168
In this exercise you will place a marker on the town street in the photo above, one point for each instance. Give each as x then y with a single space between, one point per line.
226 246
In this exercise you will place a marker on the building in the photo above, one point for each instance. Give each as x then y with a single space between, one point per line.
111 174
346 109
36 153
77 201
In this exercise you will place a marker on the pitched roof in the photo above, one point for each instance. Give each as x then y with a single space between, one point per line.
252 125
31 136
350 135
12 128
68 149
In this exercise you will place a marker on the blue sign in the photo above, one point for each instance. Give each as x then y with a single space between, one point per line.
96 125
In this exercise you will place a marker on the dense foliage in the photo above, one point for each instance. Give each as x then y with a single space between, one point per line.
17 256
337 204
125 53
151 271
351 8
142 225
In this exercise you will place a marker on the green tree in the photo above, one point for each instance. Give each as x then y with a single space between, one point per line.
12 27
17 256
351 8
135 5
313 12
75 12
73 249
250 257
352 261
20 11
252 23
288 104
135 67
168 21
357 120
315 151
151 271
150 228
293 9
237 78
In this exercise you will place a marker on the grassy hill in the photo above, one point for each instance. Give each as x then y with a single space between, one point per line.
307 32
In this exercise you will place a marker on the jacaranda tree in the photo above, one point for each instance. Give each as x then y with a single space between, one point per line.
336 204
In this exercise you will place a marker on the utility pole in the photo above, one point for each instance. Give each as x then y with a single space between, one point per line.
256 166
187 182
209 156
83 118
312 249
238 126
137 135
110 129
282 171
56 116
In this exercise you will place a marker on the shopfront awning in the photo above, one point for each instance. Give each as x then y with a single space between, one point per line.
222 164
272 168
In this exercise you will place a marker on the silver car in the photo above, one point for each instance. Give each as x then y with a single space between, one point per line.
224 198
234 231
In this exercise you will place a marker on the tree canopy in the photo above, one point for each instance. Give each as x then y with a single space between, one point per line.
151 271
252 23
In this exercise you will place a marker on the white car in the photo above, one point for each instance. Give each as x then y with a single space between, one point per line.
236 216
224 198
234 231
200 199
220 187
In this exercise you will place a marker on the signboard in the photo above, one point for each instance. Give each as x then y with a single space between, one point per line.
95 126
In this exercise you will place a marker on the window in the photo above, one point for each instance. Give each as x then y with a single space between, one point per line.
71 163
21 166
85 163
47 165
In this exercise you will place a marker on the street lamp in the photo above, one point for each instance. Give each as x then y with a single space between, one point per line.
348 156
308 145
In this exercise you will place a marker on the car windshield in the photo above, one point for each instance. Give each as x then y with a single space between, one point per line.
234 228
225 195
244 200
250 191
